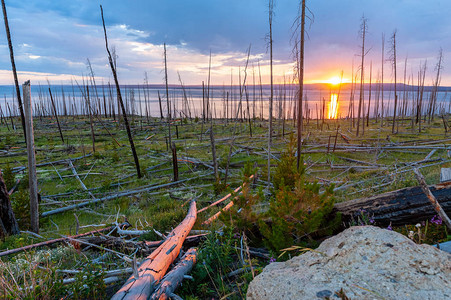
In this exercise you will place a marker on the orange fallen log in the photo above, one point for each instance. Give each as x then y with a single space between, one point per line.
216 215
173 279
152 270
225 197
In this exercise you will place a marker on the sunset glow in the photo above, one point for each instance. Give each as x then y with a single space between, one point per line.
334 80
333 106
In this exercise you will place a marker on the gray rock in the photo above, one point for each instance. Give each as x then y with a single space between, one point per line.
366 262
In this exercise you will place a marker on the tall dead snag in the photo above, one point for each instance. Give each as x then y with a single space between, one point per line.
175 166
13 66
56 114
382 80
33 182
360 113
213 152
119 97
173 279
8 223
301 83
152 270
433 102
393 61
271 13
167 95
431 198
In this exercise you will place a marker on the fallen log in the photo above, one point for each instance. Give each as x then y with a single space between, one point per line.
156 264
405 206
54 241
431 198
225 197
117 195
175 277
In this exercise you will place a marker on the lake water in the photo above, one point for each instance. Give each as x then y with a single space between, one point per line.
224 100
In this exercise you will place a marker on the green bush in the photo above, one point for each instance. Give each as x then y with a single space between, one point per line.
296 213
8 176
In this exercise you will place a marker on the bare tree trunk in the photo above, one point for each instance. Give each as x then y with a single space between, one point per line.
8 223
119 97
369 97
301 83
56 115
271 14
13 66
393 59
363 29
167 96
382 80
33 182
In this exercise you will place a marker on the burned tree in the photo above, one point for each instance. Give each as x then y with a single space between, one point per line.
13 66
360 113
393 62
119 97
8 223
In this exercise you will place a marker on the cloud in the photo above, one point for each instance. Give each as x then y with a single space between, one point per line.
51 38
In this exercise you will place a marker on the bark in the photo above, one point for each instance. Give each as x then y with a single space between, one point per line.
8 222
432 198
152 270
405 206
119 97
13 66
51 242
175 277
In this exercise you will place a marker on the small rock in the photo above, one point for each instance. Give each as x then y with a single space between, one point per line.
324 294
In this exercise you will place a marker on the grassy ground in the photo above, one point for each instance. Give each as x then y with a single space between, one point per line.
110 169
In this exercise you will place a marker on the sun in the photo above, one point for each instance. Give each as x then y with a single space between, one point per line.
335 80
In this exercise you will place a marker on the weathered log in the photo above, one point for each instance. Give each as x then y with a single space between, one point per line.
404 206
155 266
51 242
175 277
431 198
225 197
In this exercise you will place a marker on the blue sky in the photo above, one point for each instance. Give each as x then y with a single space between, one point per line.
53 39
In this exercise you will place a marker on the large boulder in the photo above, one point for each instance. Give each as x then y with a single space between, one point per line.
365 262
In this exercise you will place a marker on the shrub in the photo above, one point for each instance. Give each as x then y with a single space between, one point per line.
8 176
297 211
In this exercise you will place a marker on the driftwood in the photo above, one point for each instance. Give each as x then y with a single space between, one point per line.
404 206
175 277
155 266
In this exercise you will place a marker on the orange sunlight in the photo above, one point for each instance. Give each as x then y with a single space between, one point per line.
334 80
333 106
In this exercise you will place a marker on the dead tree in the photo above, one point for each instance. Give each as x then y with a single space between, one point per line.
33 181
271 14
301 83
167 95
119 97
382 80
393 61
13 66
363 30
8 223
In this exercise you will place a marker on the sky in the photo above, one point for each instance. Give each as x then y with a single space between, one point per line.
53 40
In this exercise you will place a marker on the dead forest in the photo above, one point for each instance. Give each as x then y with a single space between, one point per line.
171 191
